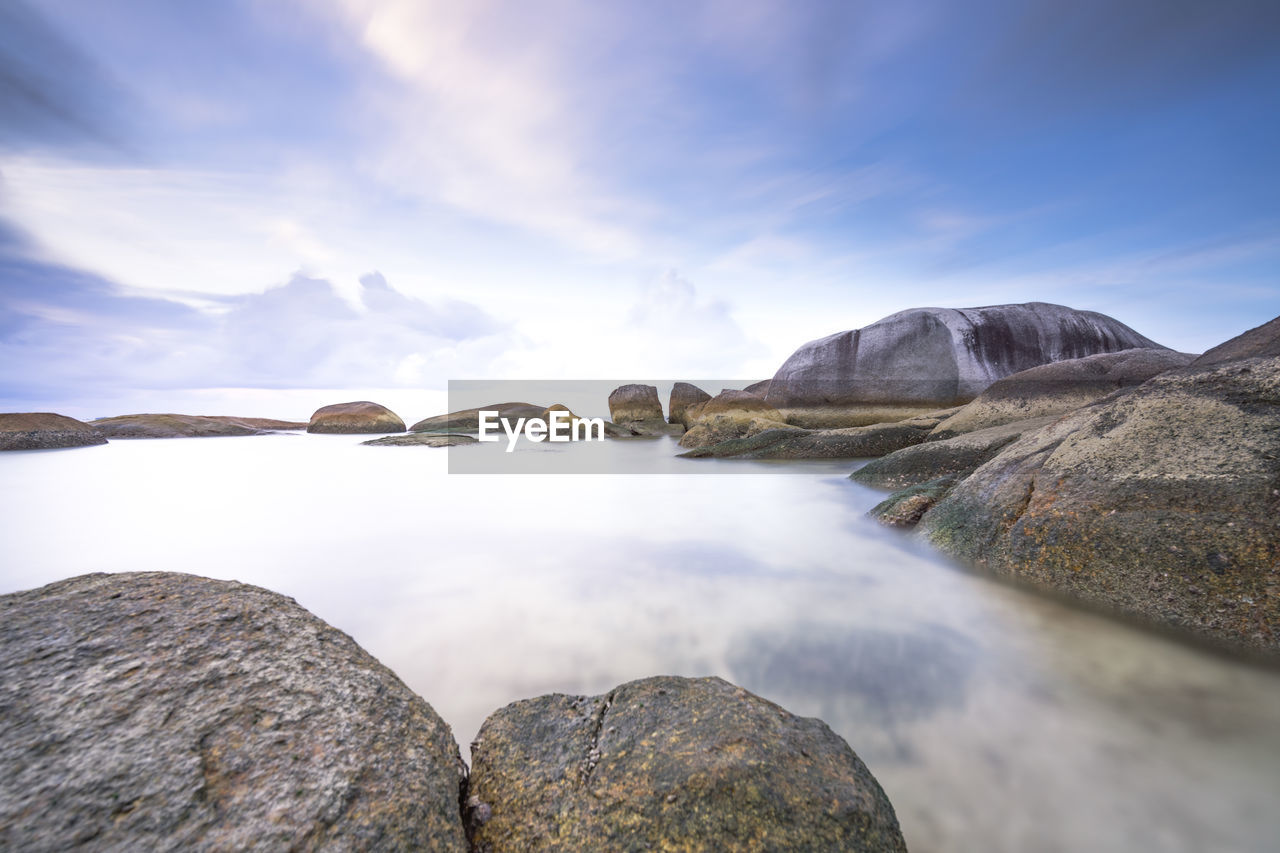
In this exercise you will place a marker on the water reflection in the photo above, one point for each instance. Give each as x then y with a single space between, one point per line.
995 720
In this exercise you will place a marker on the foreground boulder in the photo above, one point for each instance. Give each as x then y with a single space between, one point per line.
188 426
728 415
637 409
161 711
45 431
670 764
355 418
684 395
1058 388
1162 501
789 442
930 358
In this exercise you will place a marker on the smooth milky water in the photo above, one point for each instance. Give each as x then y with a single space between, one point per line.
996 720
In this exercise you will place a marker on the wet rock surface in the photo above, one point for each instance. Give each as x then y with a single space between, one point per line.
684 395
188 426
1162 501
1058 388
906 507
936 357
670 763
45 431
161 711
354 418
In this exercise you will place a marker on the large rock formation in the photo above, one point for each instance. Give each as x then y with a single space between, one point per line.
1058 388
355 418
45 431
928 358
728 415
684 395
1261 341
163 711
670 764
1162 501
188 426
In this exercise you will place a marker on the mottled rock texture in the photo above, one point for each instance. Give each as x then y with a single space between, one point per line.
849 443
45 431
1162 501
729 414
634 403
931 459
354 418
188 426
934 357
162 711
905 508
423 439
684 395
1058 388
670 764
468 420
1259 342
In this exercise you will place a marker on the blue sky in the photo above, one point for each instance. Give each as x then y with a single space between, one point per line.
368 194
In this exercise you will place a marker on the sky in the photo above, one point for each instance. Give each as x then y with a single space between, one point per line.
267 203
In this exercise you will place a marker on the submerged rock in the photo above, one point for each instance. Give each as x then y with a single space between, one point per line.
683 396
159 711
670 764
1162 501
355 418
928 358
468 420
1058 388
423 439
188 426
45 431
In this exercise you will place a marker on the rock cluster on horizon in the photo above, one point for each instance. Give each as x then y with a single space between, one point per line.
45 431
355 418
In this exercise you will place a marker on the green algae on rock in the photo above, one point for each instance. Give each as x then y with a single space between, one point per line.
670 763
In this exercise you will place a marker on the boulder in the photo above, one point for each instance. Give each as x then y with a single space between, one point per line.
45 431
188 426
789 442
670 764
629 403
905 508
354 418
760 388
160 711
1255 343
1161 501
927 460
468 420
423 439
1058 388
929 358
684 395
729 414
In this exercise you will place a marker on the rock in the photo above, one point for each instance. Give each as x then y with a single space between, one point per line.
634 403
160 711
684 395
188 426
423 439
729 414
468 420
930 459
45 431
928 358
354 418
850 443
1255 343
1161 501
670 764
1058 388
905 508
760 388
